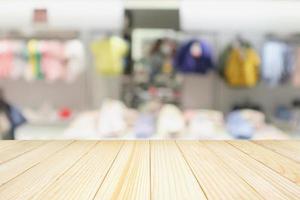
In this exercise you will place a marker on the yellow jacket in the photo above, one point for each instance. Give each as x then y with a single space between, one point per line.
109 54
242 67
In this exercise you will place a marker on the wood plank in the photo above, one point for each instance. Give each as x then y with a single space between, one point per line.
5 143
171 177
19 148
40 176
294 144
277 162
214 175
267 182
149 170
129 177
17 166
283 148
89 173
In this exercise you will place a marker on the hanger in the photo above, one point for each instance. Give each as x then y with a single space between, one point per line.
275 38
108 34
239 41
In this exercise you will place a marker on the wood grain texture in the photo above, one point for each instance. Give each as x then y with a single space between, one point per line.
129 177
283 165
171 177
289 149
12 151
266 181
19 165
149 170
88 172
5 143
213 174
36 178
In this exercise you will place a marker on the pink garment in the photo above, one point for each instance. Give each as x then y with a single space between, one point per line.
6 59
52 60
19 60
296 74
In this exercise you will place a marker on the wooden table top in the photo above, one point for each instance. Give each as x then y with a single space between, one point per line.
149 170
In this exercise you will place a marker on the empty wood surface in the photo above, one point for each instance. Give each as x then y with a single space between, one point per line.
149 170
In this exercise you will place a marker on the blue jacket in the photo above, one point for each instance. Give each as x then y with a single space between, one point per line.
185 62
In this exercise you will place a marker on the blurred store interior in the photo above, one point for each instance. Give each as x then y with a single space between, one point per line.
149 69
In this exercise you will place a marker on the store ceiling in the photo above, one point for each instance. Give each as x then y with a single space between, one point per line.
152 4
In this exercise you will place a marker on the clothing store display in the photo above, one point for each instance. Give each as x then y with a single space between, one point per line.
239 127
19 60
283 113
109 54
49 60
222 62
83 127
34 54
145 126
75 59
52 60
45 113
241 66
243 124
204 123
247 105
274 62
194 56
296 72
157 97
6 58
290 58
155 76
160 58
269 132
170 122
111 119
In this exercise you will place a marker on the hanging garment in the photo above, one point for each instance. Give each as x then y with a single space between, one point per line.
296 72
223 59
35 56
155 62
109 54
52 60
75 59
274 62
242 67
6 58
160 58
289 64
19 59
194 56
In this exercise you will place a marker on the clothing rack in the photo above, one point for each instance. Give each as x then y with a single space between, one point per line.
47 35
